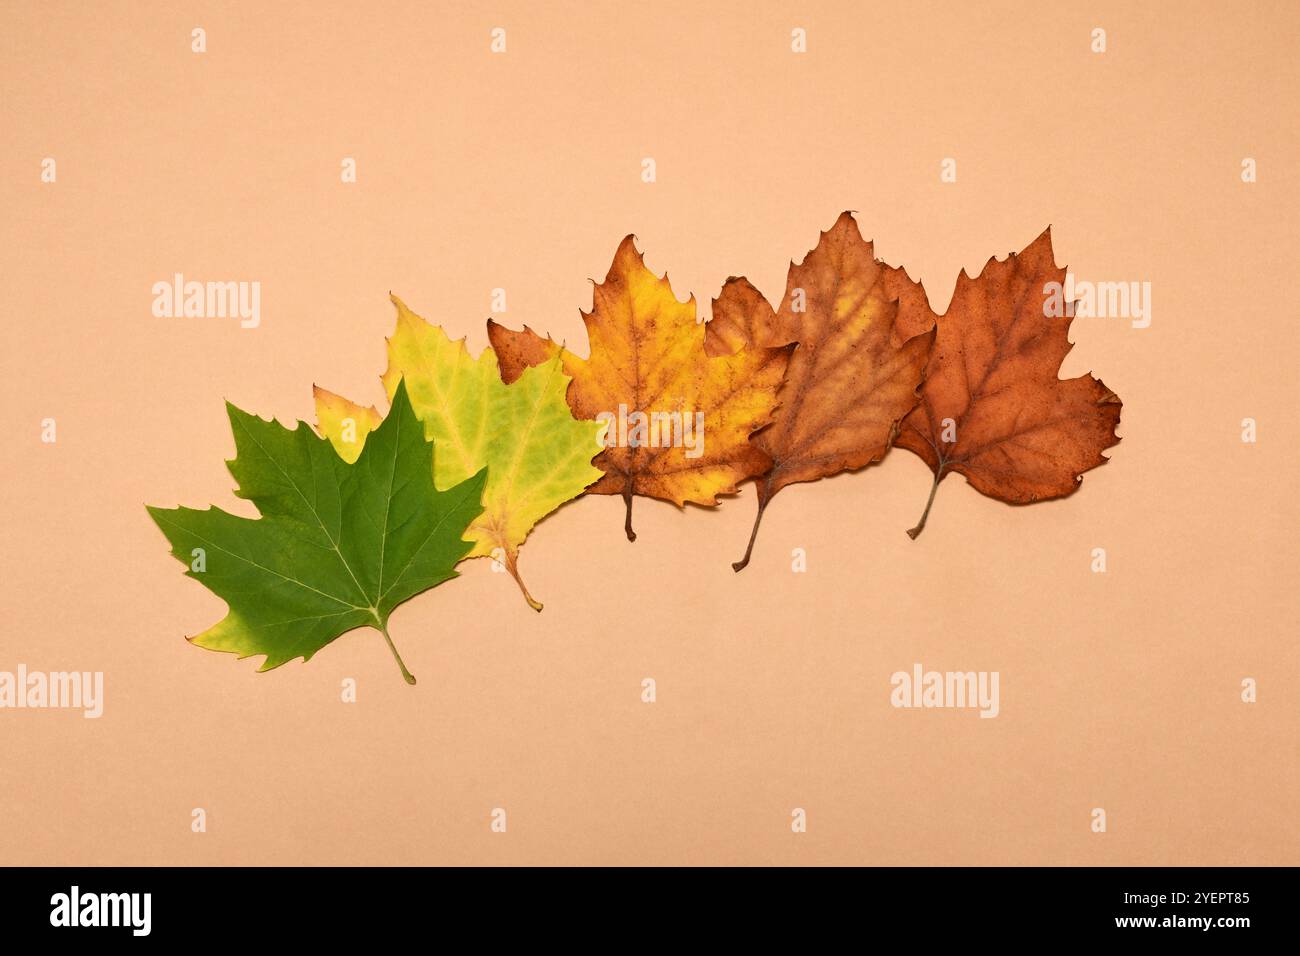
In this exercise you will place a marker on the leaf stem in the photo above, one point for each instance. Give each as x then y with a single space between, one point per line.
406 675
920 526
627 522
513 567
763 499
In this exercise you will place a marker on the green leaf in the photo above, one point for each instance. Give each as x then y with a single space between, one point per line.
338 546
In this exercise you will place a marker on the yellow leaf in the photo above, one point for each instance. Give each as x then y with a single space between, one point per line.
679 419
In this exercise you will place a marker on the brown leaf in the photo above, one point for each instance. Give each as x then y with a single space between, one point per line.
864 333
993 407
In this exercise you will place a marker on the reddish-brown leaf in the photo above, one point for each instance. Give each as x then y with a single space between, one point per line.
993 406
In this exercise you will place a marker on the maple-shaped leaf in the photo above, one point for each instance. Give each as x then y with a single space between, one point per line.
679 419
537 454
993 406
855 374
338 545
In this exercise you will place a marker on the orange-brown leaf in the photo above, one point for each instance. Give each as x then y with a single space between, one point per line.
517 351
993 406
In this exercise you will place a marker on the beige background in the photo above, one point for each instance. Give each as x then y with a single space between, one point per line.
522 171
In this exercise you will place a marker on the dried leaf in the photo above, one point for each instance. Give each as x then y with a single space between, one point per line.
993 406
855 373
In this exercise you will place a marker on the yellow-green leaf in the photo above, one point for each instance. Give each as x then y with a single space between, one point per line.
537 454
